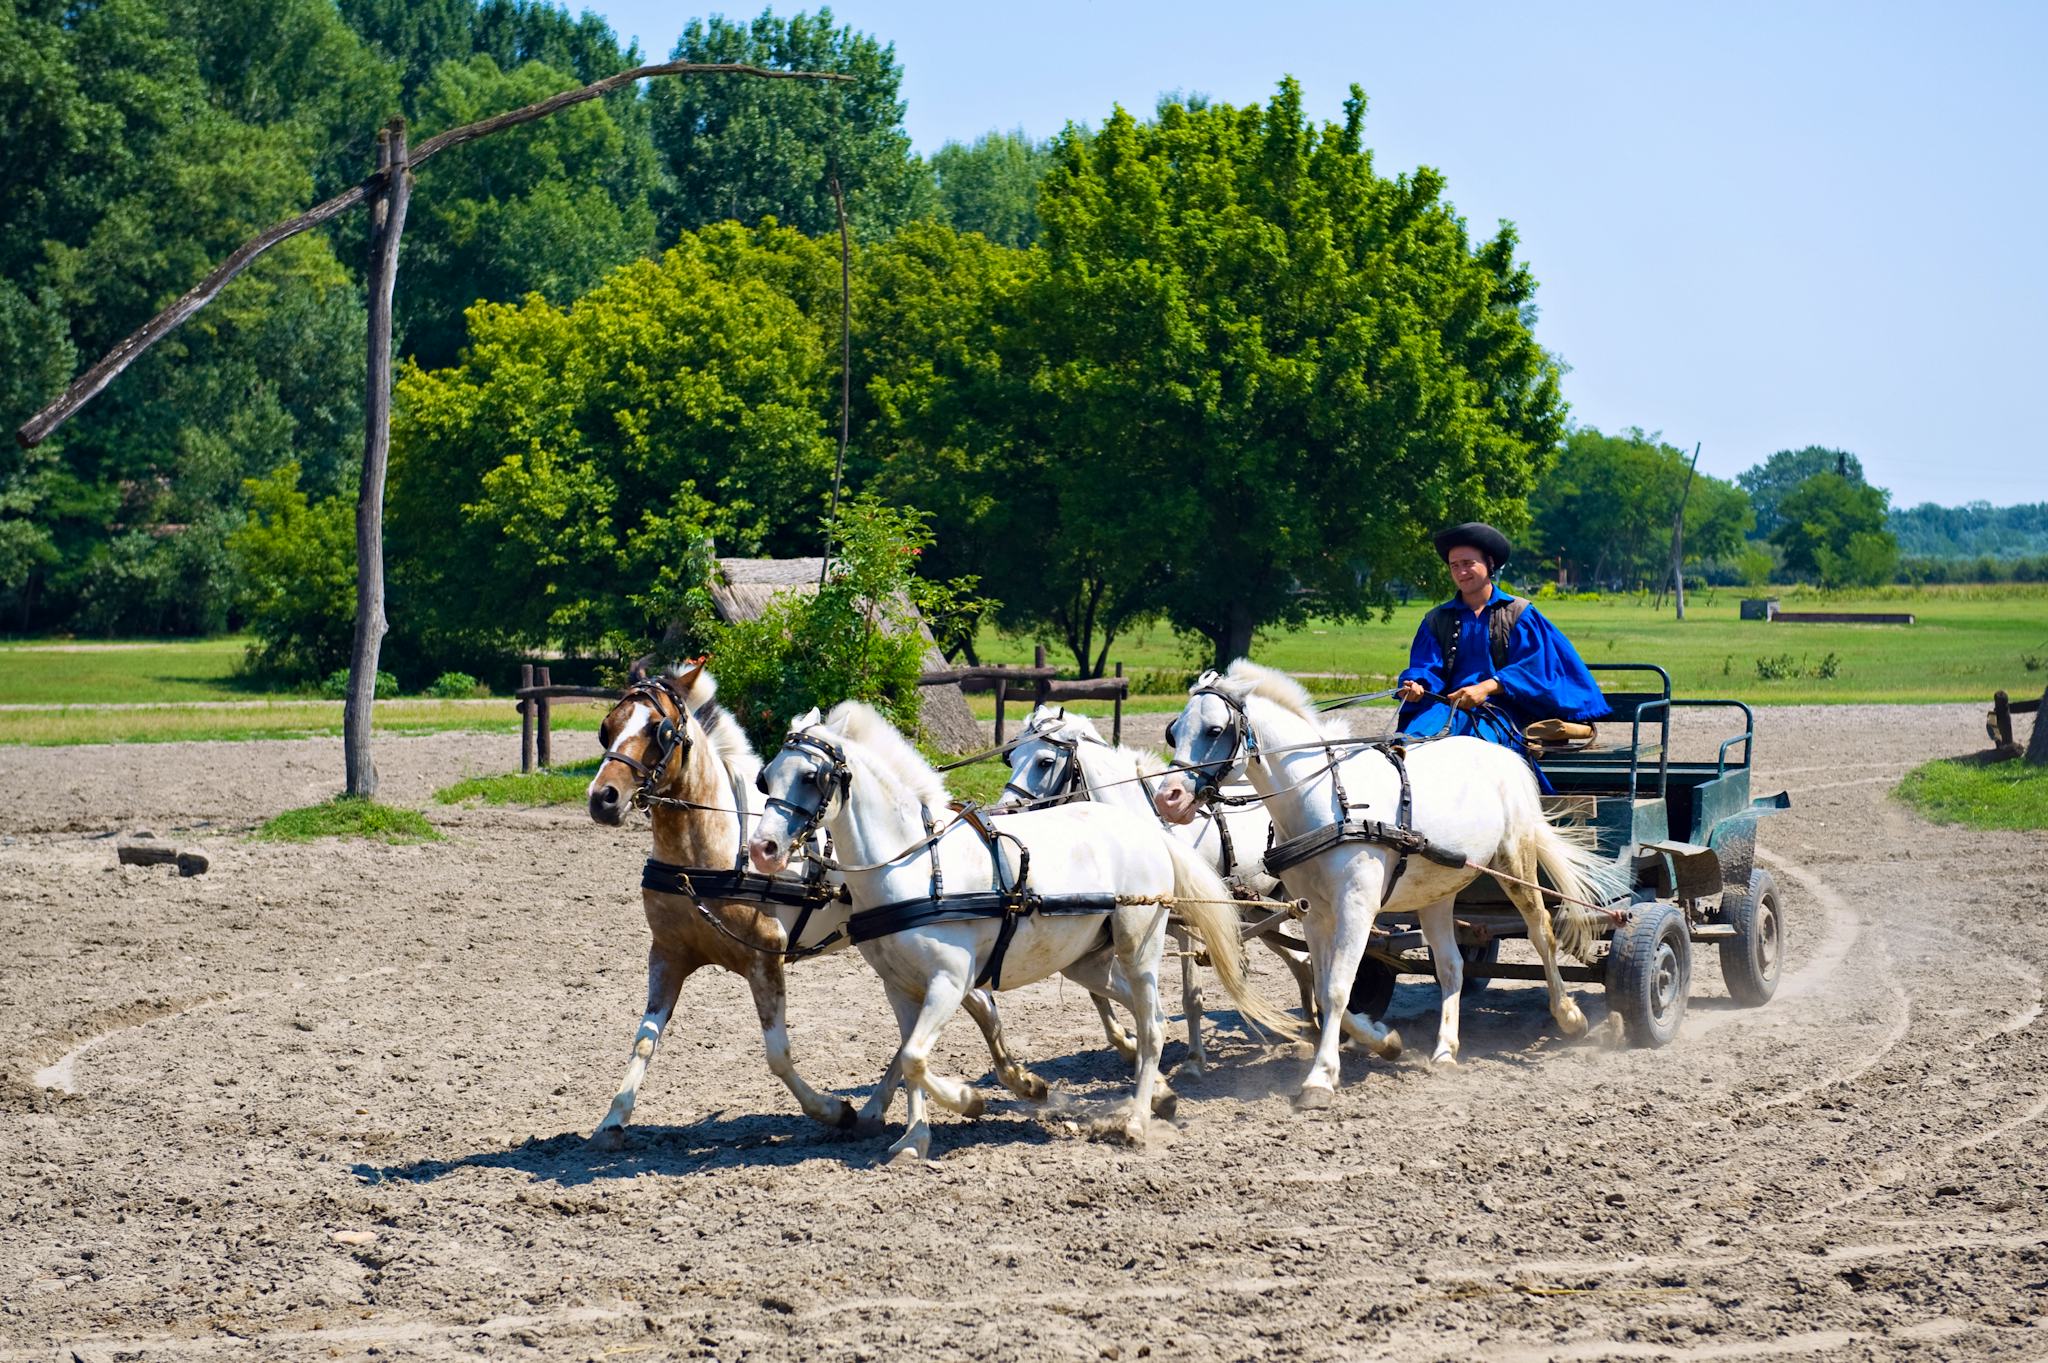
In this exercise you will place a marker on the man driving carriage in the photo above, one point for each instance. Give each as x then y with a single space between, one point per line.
1486 647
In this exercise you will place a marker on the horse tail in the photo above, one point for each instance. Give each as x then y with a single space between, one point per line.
1576 868
1206 906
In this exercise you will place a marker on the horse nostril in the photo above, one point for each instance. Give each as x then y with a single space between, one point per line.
609 795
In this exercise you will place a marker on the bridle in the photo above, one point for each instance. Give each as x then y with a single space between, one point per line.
1205 775
1068 782
834 777
671 741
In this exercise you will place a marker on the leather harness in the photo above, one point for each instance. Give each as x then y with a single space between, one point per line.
1009 900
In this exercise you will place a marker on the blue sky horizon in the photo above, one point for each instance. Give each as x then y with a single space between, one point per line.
1755 226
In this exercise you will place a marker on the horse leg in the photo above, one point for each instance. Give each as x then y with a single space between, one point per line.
1338 942
1299 966
1439 929
981 1006
942 995
665 975
1120 1039
1190 1001
764 977
1140 940
1536 919
876 1108
1096 973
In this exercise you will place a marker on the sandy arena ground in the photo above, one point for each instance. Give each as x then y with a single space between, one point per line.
329 1101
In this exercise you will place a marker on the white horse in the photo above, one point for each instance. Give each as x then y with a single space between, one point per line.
1064 755
670 745
1471 798
885 808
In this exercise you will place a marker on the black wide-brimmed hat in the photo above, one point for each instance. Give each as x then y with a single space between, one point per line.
1474 535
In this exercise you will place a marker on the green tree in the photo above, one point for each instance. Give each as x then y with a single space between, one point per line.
1257 367
1833 528
296 560
541 486
1605 510
547 208
748 149
1769 483
990 186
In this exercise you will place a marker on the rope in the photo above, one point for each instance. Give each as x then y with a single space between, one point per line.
1613 915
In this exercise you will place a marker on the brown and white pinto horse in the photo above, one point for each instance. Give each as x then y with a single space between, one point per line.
669 738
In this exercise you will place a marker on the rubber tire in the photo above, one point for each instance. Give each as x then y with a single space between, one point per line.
1754 958
1372 990
1649 973
1486 955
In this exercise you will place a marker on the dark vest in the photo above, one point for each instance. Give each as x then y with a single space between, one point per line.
1445 620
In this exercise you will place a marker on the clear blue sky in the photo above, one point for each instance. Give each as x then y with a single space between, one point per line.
1757 226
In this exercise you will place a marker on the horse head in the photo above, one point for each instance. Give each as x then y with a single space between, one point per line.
801 782
1209 738
647 737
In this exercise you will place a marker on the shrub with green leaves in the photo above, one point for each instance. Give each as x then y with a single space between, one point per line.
455 686
334 686
857 638
297 560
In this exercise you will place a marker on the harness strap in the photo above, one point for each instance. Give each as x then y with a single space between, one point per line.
1295 851
886 920
806 894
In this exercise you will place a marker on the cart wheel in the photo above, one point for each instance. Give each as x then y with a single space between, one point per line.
1649 973
1481 957
1372 989
1752 959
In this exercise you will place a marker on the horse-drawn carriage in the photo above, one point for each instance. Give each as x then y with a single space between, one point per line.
1681 835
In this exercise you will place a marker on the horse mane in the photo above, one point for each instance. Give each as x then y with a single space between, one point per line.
728 740
1245 679
861 723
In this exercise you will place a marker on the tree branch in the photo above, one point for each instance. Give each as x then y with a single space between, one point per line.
87 386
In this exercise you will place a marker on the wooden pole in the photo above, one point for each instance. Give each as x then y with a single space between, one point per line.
845 375
1002 693
1116 724
1678 535
544 726
525 720
1044 690
2001 725
387 224
2037 746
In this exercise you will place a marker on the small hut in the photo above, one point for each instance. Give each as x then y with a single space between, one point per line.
742 588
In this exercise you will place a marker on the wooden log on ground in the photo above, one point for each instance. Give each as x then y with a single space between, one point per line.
1842 618
188 863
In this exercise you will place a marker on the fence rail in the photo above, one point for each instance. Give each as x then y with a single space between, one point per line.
1044 684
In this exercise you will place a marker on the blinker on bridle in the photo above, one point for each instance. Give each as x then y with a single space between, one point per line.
837 774
669 737
1207 776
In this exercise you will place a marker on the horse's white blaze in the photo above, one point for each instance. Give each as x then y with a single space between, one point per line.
635 722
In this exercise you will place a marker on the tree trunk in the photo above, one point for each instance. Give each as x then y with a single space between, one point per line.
1235 641
2037 746
387 222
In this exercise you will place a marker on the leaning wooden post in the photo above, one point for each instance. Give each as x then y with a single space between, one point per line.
544 726
387 222
525 719
2037 746
1116 724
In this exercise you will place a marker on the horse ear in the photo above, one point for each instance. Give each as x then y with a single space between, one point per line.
1208 678
688 679
806 720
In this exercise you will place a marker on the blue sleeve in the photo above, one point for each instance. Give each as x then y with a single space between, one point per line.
1425 659
1545 677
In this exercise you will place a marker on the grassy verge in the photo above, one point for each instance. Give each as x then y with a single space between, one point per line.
348 817
268 719
1979 794
562 786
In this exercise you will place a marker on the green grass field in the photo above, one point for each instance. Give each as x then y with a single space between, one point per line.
1967 643
2009 795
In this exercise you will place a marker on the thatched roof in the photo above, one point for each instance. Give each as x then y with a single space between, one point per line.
742 589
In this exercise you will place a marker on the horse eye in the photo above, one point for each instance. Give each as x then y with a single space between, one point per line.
1215 731
1045 760
761 780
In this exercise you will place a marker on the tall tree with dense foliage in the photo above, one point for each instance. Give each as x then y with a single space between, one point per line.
1604 512
990 185
544 484
1771 481
1832 528
744 150
1262 369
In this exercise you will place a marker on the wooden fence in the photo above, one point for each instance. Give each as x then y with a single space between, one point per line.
1998 724
537 693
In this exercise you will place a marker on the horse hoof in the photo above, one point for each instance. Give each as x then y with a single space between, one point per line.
1445 1060
906 1153
1194 1067
974 1106
610 1139
1390 1048
1313 1099
1165 1104
842 1117
1572 1020
1033 1089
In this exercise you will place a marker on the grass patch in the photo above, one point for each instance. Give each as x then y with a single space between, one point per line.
2010 795
562 786
346 816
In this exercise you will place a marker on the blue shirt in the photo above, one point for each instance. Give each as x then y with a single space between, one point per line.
1544 677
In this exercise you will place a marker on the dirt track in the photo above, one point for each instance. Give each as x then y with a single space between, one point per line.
328 1102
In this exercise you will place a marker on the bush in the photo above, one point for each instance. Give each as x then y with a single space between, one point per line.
454 686
335 685
858 638
297 560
